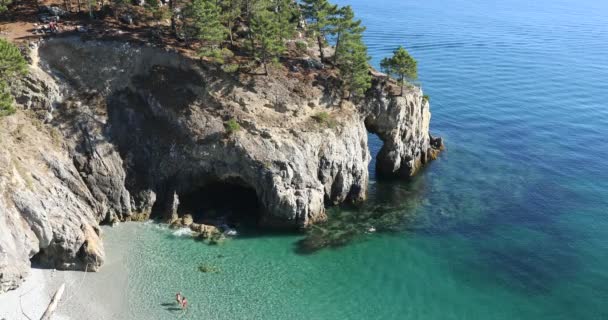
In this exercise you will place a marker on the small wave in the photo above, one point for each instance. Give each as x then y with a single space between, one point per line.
183 232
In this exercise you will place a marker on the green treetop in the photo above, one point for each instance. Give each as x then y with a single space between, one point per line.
250 7
231 11
203 22
11 61
12 65
344 21
284 15
402 65
385 66
264 29
353 64
319 14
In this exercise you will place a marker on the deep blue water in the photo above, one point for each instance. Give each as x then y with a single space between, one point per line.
511 222
519 90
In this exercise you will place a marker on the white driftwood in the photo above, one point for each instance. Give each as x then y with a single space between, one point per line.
54 302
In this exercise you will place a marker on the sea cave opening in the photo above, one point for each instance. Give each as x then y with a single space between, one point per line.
374 143
227 201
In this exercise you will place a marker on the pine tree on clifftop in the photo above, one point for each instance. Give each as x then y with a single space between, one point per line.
264 29
402 65
203 22
318 14
344 22
353 64
284 15
231 11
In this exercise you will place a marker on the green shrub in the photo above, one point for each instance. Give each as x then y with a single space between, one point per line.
230 67
12 66
426 98
4 5
301 47
232 126
159 13
248 66
216 54
6 101
325 118
227 53
213 54
321 117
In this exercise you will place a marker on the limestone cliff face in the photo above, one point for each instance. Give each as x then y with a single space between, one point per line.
128 130
45 206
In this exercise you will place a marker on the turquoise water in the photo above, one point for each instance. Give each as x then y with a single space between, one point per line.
510 223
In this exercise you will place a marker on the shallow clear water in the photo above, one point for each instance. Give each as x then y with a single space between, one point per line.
510 223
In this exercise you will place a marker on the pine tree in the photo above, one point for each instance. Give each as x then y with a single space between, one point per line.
344 21
402 65
353 64
264 28
284 17
231 11
11 61
385 66
203 22
319 14
12 65
251 7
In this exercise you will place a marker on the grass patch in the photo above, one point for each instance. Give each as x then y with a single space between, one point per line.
216 55
232 126
7 106
301 47
325 118
230 67
6 110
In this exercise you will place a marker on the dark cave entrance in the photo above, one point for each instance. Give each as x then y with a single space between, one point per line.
228 201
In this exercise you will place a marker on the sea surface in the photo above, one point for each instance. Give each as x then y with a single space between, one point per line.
511 222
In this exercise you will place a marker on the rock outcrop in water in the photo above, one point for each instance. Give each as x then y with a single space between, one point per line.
130 130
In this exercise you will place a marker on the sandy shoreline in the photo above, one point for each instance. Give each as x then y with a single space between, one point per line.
31 298
90 295
82 299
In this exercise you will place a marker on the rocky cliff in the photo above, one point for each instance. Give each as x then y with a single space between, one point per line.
112 131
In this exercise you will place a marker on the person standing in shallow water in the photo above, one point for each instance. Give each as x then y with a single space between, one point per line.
179 298
184 303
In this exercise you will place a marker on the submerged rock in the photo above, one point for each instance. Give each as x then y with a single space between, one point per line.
143 126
